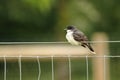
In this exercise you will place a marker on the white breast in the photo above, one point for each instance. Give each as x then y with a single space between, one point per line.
69 37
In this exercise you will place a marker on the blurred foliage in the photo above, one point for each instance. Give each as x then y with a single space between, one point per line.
39 20
27 20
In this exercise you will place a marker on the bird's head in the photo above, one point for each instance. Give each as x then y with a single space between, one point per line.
70 28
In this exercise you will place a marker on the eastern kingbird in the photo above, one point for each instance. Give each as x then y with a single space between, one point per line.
76 37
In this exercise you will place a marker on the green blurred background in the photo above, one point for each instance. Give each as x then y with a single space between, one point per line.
45 20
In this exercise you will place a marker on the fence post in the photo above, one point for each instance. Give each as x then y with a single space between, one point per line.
100 64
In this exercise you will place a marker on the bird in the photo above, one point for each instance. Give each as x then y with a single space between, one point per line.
77 37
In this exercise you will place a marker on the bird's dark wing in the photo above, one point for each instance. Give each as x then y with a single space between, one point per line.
80 37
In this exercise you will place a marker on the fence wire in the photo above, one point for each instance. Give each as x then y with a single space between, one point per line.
52 64
60 42
52 59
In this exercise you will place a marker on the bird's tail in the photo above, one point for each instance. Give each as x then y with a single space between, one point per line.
91 49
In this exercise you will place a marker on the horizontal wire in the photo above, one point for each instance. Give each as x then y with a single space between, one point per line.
106 56
32 42
60 42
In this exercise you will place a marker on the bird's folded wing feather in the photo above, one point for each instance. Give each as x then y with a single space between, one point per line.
80 37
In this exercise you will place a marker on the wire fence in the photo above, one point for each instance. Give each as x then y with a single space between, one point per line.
69 57
52 64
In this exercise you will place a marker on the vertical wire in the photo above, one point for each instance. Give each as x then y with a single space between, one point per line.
20 67
87 68
5 68
69 60
39 68
104 67
52 62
